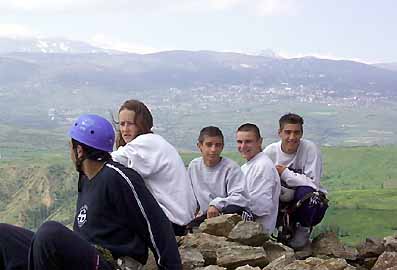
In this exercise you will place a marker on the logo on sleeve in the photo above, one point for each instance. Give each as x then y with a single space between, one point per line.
82 216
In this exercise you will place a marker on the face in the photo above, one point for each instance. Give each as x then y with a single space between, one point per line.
290 136
211 149
248 144
128 128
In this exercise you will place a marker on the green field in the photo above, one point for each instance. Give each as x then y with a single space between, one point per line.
362 184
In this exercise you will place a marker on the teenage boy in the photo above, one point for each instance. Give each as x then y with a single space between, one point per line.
218 182
263 182
298 162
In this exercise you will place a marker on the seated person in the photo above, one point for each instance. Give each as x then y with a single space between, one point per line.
114 211
298 162
263 182
218 182
157 161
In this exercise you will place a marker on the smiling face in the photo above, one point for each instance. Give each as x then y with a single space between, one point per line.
211 149
248 144
290 135
128 129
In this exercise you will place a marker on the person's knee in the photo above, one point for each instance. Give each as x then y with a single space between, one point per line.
49 231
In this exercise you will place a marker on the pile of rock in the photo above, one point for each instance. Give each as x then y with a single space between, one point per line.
227 242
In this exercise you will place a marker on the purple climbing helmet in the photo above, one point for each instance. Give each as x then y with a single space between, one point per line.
94 131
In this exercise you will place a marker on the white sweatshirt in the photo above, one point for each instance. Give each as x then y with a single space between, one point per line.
304 168
164 173
219 186
264 190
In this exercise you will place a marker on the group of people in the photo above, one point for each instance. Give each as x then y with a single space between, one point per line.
140 196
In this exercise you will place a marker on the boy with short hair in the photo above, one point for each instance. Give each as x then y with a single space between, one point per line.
299 164
218 183
263 182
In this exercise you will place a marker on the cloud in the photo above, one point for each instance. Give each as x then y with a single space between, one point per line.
16 31
254 7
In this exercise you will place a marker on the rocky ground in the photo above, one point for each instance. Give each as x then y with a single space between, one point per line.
227 242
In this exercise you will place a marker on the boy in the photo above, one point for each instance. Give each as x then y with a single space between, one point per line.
263 182
218 183
298 162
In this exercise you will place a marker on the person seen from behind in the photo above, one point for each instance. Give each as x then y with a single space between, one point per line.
115 213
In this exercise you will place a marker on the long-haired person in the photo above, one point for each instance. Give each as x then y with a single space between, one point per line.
157 161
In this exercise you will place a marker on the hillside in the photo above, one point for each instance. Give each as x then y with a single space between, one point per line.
362 182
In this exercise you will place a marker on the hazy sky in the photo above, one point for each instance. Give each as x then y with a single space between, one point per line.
363 30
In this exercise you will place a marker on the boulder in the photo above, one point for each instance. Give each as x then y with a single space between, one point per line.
280 262
248 233
371 247
386 261
328 244
319 264
207 244
210 267
234 256
191 258
221 225
390 243
275 250
247 267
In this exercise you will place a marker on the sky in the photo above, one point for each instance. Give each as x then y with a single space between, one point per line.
361 30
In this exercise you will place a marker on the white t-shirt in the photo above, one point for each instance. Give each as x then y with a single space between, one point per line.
304 168
219 186
264 187
164 173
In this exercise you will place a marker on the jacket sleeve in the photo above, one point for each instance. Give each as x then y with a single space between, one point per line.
262 184
147 220
311 174
236 190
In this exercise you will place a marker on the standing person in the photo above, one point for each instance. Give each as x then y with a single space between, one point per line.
115 211
299 164
263 182
218 182
157 161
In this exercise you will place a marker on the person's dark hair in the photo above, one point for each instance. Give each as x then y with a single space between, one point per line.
290 118
143 119
92 153
210 131
250 127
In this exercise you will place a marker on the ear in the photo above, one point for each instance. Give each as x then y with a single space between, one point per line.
279 131
261 141
199 144
80 151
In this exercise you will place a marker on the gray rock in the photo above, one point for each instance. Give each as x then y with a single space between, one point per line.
320 264
390 243
372 247
211 267
221 225
234 256
191 258
328 244
207 244
248 233
275 250
247 267
386 261
280 263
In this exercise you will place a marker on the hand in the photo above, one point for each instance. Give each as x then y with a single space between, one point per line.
212 212
280 169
